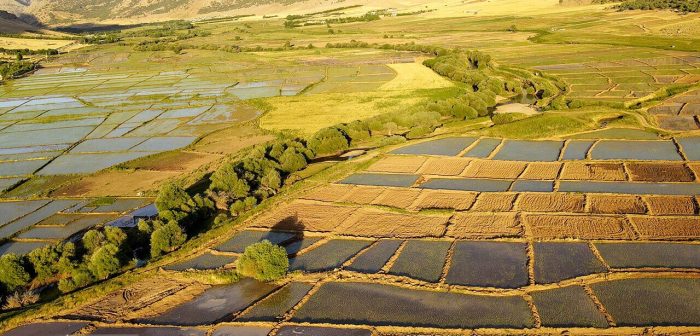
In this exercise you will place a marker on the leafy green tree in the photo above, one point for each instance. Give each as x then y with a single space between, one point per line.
226 179
328 141
292 161
79 277
166 239
241 206
105 262
271 181
93 239
45 261
263 261
115 235
171 197
13 275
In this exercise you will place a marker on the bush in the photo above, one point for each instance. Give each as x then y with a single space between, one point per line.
171 197
328 141
45 261
241 206
263 261
166 239
505 118
92 240
21 299
12 272
104 262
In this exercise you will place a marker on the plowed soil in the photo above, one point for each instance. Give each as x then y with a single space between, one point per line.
398 197
616 204
578 227
494 202
541 171
329 193
593 171
494 169
485 225
555 202
299 216
383 224
363 194
678 228
398 164
659 172
445 199
671 205
445 166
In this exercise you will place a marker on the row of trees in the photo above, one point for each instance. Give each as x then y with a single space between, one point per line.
9 70
677 5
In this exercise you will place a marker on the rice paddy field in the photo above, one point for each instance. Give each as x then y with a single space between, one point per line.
582 219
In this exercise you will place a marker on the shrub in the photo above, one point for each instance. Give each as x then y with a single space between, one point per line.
45 261
104 262
166 239
79 277
328 141
21 299
263 261
241 206
292 161
171 197
92 240
12 272
505 118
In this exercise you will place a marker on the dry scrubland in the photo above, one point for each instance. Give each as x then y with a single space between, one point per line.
582 217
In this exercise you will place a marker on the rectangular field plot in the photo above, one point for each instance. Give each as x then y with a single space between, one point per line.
483 148
640 255
593 171
47 328
10 211
445 166
489 264
541 171
520 150
383 180
494 169
690 147
20 248
106 145
328 256
659 172
551 202
533 186
422 260
44 137
494 202
306 217
228 330
216 304
37 216
207 261
616 204
559 261
465 184
7 183
374 258
329 193
398 164
147 331
667 228
380 305
243 239
671 205
163 144
68 230
444 147
578 227
651 302
631 188
445 199
20 168
635 150
401 198
384 224
118 205
320 331
87 163
299 245
568 307
279 303
484 225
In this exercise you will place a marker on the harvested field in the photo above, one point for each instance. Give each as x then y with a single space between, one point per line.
671 205
659 172
555 262
445 199
541 171
633 188
445 166
321 331
328 256
216 304
373 259
329 193
243 239
484 225
147 331
489 264
273 307
381 180
383 224
650 302
521 150
494 202
568 307
616 204
47 328
638 255
376 304
578 227
667 228
120 304
422 260
397 198
593 171
443 147
362 194
465 184
306 217
494 169
398 164
554 202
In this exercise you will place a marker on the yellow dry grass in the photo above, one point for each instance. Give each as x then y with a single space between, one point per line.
303 216
383 224
484 225
398 164
494 169
578 227
494 202
414 76
397 197
541 202
445 166
671 205
616 204
541 171
33 44
363 194
593 171
329 193
445 199
673 228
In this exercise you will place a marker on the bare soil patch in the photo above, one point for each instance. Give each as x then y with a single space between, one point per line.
175 161
541 171
383 224
398 197
616 204
593 171
578 227
485 225
329 193
659 172
671 205
299 216
398 164
445 166
116 183
494 202
363 194
494 169
554 202
671 228
445 199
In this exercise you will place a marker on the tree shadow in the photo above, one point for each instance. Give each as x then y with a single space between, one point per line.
290 224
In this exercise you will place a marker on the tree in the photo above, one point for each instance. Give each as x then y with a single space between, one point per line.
92 240
45 261
171 197
12 272
272 181
166 239
104 262
226 179
241 206
79 277
292 161
328 141
263 261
